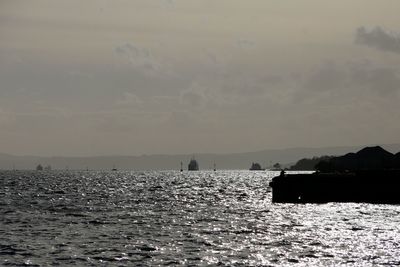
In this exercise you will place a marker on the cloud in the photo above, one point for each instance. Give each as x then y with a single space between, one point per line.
5 117
139 57
378 38
212 57
194 97
133 50
169 3
245 44
34 122
378 79
129 99
335 84
327 77
181 119
384 80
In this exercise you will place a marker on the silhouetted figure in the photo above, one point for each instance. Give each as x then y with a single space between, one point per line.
215 167
181 166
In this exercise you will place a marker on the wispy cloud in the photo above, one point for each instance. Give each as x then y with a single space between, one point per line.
245 44
129 99
351 79
139 57
378 38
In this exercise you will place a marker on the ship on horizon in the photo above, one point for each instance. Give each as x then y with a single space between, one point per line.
193 165
256 167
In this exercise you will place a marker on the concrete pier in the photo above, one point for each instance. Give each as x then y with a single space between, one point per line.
380 186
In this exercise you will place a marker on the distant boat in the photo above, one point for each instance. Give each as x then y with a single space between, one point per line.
39 167
215 167
114 169
193 165
256 167
181 166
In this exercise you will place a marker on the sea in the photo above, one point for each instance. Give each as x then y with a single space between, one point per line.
169 218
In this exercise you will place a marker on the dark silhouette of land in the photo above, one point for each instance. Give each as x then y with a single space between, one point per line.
309 164
369 158
370 175
286 158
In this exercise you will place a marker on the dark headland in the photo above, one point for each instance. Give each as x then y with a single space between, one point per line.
371 175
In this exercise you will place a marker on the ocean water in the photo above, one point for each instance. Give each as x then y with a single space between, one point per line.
204 218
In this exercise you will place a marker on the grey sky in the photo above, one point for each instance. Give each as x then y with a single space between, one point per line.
134 77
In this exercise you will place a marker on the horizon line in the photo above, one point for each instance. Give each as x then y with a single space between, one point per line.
201 153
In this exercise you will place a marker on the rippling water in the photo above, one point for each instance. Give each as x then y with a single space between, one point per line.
172 218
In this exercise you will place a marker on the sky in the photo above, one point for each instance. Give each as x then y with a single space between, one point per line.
126 77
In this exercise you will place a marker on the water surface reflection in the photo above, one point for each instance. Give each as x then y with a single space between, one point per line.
172 218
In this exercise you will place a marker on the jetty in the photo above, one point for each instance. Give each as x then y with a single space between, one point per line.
371 175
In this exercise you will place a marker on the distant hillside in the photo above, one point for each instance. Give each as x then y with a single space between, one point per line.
368 158
309 164
172 162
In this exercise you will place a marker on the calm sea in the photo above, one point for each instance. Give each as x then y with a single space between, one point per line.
204 218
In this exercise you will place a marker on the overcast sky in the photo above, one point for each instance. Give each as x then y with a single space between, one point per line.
167 76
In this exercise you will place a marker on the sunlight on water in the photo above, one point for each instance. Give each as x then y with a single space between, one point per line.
173 218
